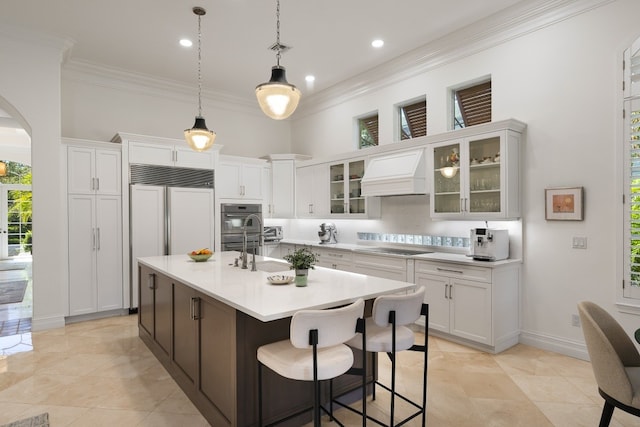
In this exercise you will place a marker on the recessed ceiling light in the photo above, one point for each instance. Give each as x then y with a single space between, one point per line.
377 43
310 78
186 43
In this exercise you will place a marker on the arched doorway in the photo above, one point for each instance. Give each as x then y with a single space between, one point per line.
16 285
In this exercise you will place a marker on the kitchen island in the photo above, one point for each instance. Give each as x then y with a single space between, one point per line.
204 322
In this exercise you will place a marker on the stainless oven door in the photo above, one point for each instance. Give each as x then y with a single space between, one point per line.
233 223
233 242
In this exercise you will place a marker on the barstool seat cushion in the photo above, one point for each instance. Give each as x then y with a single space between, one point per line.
297 363
379 338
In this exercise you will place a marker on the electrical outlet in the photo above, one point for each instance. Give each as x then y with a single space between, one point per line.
575 320
579 243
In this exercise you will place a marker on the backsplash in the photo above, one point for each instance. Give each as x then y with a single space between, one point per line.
416 239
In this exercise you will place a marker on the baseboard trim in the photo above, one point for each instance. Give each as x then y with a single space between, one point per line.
98 315
557 345
42 324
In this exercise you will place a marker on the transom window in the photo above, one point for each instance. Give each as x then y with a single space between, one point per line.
472 105
368 131
413 119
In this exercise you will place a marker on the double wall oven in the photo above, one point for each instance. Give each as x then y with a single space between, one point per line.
233 217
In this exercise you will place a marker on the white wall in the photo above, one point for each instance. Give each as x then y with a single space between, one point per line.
561 80
98 103
30 92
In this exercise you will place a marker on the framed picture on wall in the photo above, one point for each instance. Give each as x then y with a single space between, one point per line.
564 204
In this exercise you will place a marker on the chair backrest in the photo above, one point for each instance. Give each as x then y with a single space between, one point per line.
610 350
334 326
407 308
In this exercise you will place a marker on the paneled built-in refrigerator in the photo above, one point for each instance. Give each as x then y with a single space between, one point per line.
171 212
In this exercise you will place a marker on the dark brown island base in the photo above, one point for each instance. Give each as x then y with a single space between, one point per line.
205 321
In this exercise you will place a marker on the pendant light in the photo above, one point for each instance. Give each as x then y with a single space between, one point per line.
278 99
199 137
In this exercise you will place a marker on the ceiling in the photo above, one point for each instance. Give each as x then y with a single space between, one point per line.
330 39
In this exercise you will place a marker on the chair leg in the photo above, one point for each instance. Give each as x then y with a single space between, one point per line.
259 394
607 413
424 378
392 319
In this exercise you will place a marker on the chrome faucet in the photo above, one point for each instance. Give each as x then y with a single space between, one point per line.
244 241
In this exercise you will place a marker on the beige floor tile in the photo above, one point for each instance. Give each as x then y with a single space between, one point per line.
99 373
109 417
163 419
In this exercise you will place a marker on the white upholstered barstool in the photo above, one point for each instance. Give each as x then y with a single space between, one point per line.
386 332
315 350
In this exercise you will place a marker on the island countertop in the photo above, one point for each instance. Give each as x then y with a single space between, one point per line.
251 293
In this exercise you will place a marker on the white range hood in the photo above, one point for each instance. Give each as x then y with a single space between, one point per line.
395 174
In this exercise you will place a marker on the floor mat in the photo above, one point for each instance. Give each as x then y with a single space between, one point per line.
41 420
12 292
15 327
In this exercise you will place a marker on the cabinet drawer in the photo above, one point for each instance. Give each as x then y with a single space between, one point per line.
388 267
332 255
469 272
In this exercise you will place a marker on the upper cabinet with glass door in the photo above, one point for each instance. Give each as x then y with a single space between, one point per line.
477 177
345 191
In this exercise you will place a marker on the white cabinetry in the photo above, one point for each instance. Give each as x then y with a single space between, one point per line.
345 191
477 176
334 258
94 228
239 178
169 154
385 266
478 306
312 188
93 170
282 185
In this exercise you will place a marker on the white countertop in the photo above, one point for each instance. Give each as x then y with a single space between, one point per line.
250 291
457 258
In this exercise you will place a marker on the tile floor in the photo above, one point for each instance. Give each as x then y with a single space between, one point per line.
99 373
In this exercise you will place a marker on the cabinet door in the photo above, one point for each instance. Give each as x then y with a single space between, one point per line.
185 305
485 176
471 310
229 180
304 192
150 154
108 172
146 312
437 296
446 190
353 187
218 355
82 254
187 158
80 170
283 187
252 181
191 213
162 309
109 252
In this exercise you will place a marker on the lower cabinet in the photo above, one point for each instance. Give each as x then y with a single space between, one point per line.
478 305
387 267
334 258
155 307
95 253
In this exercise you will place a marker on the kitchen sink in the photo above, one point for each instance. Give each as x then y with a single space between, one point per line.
271 266
395 251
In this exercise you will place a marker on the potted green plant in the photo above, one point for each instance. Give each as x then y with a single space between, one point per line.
301 260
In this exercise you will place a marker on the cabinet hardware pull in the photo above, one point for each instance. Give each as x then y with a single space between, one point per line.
195 312
445 291
97 184
151 281
449 270
450 287
98 237
93 239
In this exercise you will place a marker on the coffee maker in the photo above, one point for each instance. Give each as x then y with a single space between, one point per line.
489 244
328 233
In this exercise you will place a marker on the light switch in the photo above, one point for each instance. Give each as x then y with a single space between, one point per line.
579 243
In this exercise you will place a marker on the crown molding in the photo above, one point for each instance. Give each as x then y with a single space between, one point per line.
109 77
61 45
519 20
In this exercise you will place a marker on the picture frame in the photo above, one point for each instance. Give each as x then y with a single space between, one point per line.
564 204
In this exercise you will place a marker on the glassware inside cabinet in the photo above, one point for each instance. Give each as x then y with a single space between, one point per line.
484 175
336 175
446 179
